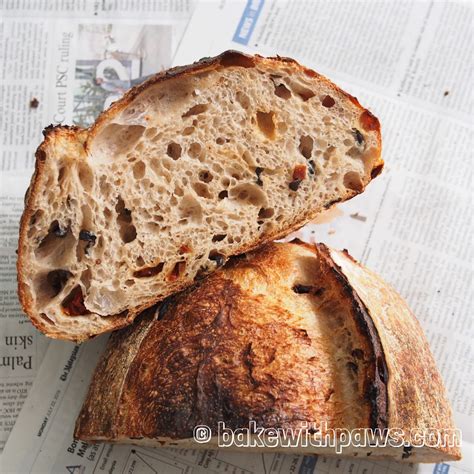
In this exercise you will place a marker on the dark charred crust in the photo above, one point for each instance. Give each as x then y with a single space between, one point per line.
54 128
376 171
40 155
377 388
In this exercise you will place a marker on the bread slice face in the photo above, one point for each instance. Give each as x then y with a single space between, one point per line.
197 164
283 337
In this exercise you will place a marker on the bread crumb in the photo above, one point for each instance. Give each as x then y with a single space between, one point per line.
446 93
34 102
358 217
331 231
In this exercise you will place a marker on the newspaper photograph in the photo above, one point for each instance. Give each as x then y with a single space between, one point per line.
111 60
409 62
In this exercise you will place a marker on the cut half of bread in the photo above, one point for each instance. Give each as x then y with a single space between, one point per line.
197 164
291 336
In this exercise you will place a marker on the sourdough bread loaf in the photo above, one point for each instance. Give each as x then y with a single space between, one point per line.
287 337
197 164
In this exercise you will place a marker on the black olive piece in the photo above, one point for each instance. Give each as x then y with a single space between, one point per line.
294 185
407 452
302 289
358 136
87 236
258 172
218 258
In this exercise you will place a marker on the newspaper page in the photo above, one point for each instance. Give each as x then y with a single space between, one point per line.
410 62
22 347
63 62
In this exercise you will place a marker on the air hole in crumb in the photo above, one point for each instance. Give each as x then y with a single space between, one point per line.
61 174
248 193
37 215
327 101
150 132
117 139
266 213
306 146
266 124
73 304
303 92
178 191
353 181
243 99
139 170
139 261
282 91
149 271
190 208
53 283
353 152
174 150
57 245
202 190
188 131
218 237
127 230
196 110
220 140
194 150
177 271
205 176
48 320
223 194
86 176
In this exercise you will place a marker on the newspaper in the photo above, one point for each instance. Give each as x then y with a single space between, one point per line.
62 62
410 62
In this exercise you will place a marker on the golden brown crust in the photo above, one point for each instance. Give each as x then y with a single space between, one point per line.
230 352
234 348
226 59
417 398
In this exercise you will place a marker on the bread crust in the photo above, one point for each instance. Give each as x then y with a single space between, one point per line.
84 137
190 361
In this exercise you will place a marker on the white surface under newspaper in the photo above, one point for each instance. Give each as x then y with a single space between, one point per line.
61 62
411 64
